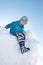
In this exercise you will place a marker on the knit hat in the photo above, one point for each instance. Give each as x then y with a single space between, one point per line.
25 19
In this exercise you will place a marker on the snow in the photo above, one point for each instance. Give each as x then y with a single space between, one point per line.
10 52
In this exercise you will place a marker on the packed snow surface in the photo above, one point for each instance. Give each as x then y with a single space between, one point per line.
10 53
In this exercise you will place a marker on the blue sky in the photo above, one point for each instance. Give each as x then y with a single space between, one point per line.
11 10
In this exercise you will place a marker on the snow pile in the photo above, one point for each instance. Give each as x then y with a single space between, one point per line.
10 52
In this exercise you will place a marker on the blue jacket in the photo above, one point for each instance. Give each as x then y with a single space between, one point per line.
15 27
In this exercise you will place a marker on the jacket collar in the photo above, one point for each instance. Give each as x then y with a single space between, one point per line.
19 23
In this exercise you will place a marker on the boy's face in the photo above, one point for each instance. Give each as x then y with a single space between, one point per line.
22 22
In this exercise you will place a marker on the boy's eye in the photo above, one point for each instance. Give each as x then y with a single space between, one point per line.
23 21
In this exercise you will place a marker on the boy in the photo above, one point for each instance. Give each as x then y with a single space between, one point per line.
16 28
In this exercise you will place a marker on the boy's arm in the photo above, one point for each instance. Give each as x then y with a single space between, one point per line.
24 31
9 25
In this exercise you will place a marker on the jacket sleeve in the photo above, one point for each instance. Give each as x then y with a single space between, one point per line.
9 25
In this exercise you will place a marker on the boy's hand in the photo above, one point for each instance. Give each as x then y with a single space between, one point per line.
24 31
